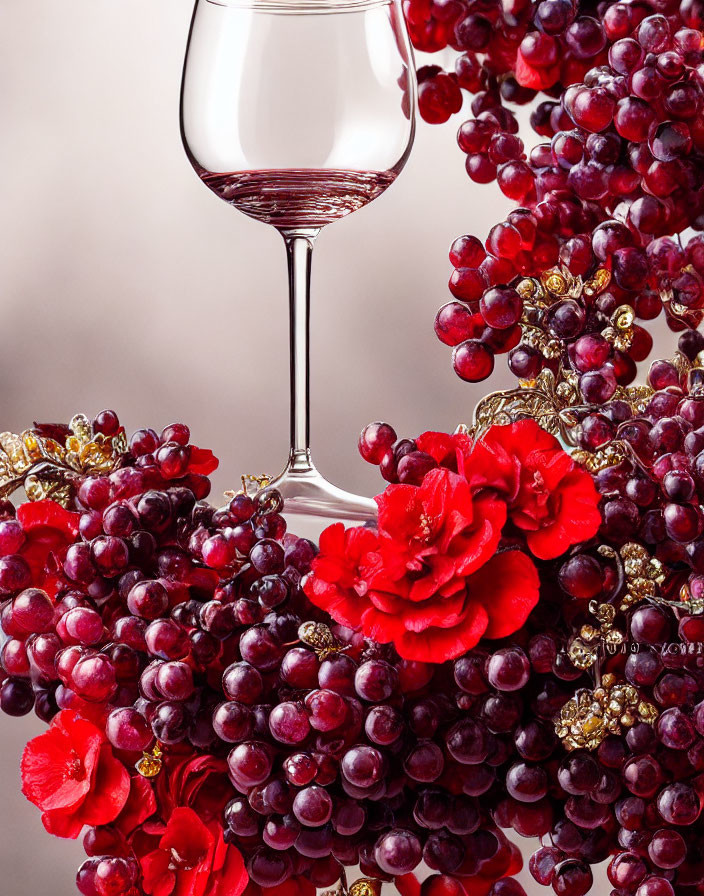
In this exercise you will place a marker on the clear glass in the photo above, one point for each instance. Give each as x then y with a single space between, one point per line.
299 112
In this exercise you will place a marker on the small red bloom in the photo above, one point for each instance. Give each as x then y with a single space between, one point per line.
338 578
49 530
71 774
192 859
438 533
431 580
551 498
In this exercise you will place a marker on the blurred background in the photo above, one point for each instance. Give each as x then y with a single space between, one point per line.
126 284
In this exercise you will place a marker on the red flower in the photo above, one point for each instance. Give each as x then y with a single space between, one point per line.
192 859
431 581
438 533
549 496
49 530
198 782
71 774
338 576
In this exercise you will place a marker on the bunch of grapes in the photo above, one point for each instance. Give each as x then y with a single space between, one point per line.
176 624
619 175
637 800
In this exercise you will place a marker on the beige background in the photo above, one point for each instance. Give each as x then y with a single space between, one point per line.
126 284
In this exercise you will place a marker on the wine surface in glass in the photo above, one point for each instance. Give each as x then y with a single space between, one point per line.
298 197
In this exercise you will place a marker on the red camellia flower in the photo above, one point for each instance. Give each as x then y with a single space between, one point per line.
439 533
192 859
71 774
49 530
431 581
549 497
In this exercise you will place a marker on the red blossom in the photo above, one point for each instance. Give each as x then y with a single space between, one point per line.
192 859
431 580
438 533
551 498
71 774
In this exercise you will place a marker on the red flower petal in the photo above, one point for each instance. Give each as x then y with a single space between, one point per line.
60 824
509 587
157 878
109 791
438 644
444 448
202 461
578 518
48 514
141 803
186 837
229 876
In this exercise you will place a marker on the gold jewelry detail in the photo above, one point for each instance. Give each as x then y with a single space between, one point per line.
584 649
251 484
590 716
365 886
621 332
610 455
318 636
47 460
547 399
151 763
643 573
598 283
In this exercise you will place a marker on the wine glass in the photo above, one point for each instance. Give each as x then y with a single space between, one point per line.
299 112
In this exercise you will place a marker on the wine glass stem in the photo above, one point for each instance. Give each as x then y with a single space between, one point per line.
299 251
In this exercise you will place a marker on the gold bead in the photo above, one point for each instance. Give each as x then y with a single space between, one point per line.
554 282
365 886
623 317
150 764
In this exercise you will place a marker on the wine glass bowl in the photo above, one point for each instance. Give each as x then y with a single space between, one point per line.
298 113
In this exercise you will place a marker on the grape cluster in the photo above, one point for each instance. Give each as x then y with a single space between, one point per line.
158 596
654 494
174 623
637 800
618 175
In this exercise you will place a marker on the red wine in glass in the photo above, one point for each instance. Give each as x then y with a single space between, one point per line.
298 197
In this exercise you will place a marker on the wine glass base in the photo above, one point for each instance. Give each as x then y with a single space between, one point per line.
311 503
